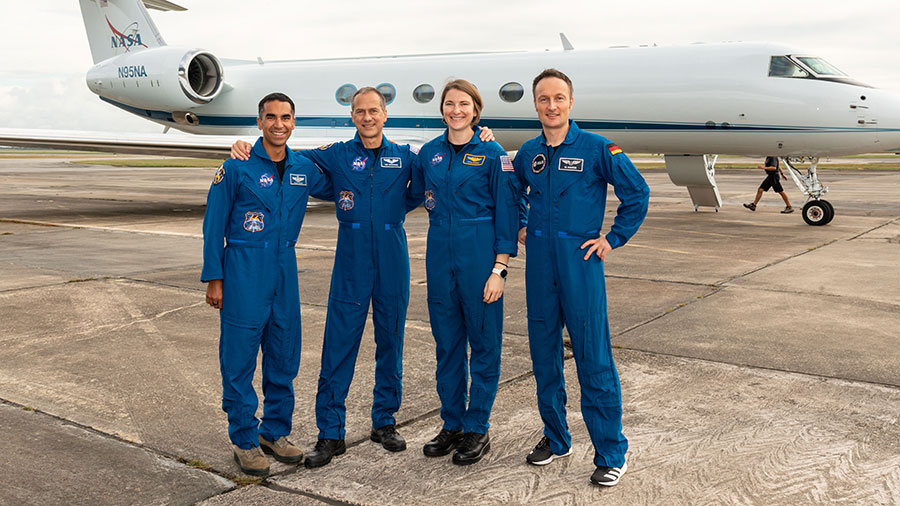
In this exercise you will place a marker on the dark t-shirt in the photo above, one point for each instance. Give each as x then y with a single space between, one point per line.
771 161
280 166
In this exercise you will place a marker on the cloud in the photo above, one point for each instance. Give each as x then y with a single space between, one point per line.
62 102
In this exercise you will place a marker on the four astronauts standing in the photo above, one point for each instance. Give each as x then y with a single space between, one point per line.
474 197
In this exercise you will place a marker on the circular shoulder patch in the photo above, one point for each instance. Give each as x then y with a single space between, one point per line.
538 163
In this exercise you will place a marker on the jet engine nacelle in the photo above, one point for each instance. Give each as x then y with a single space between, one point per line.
165 77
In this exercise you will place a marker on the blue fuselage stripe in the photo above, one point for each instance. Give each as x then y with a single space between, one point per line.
493 123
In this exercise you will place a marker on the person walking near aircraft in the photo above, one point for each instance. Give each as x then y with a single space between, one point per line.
468 187
254 212
773 169
370 176
567 171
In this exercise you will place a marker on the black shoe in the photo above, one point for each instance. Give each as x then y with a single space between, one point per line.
543 455
608 476
472 447
443 443
389 438
324 450
751 206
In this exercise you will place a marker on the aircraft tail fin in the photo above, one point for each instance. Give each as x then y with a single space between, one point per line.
117 27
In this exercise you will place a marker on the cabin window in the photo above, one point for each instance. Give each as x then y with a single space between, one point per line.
820 66
388 91
344 94
423 93
782 66
511 92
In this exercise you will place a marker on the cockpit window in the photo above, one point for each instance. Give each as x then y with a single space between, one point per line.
782 66
820 66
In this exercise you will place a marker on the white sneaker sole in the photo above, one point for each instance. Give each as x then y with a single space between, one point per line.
550 459
616 482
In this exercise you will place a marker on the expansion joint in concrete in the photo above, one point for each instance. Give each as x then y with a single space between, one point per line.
287 490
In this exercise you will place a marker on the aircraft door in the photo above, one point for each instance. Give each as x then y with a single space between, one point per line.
865 119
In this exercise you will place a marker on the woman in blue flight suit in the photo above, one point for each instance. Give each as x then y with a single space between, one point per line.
469 189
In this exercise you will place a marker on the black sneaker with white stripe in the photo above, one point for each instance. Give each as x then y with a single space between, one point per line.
543 455
608 476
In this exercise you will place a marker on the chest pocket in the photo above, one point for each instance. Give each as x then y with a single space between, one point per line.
295 189
473 184
264 197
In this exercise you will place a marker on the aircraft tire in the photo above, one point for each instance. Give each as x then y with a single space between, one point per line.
817 212
830 215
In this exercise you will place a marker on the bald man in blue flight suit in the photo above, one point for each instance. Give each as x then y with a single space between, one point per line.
254 212
567 171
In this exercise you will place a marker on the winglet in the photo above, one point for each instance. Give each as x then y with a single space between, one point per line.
567 46
163 5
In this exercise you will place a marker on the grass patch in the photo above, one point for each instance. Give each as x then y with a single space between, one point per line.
198 464
155 162
28 408
245 481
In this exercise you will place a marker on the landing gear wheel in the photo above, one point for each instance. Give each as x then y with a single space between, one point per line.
818 212
830 211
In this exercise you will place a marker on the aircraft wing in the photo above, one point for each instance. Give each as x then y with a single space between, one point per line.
193 146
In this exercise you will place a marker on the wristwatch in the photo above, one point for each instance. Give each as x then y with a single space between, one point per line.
499 272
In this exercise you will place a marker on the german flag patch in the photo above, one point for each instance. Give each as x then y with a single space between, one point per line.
614 150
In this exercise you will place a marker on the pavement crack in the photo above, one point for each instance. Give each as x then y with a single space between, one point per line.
889 222
762 368
287 490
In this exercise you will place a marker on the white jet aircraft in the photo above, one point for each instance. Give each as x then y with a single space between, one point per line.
753 99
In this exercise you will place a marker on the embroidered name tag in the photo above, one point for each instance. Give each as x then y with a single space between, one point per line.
298 179
475 160
391 162
571 164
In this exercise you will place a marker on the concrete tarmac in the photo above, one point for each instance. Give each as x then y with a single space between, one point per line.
759 356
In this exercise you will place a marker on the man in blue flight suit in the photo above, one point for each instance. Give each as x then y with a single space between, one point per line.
254 212
371 265
567 171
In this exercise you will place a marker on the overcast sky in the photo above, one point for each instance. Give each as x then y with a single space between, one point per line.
44 51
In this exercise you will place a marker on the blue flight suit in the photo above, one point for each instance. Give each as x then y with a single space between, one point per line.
249 231
472 205
567 198
371 263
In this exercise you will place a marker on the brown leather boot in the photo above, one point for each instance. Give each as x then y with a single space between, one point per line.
282 449
251 461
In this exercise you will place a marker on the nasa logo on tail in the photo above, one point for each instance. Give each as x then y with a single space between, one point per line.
127 38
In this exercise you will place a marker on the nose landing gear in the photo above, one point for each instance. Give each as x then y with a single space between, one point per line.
816 212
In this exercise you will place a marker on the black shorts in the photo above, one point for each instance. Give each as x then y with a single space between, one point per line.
771 181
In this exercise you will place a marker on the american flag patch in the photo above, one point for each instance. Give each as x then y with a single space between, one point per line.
505 164
614 150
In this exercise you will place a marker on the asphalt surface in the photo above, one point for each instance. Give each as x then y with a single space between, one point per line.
759 356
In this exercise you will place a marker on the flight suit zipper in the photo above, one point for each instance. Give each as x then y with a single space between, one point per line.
372 205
